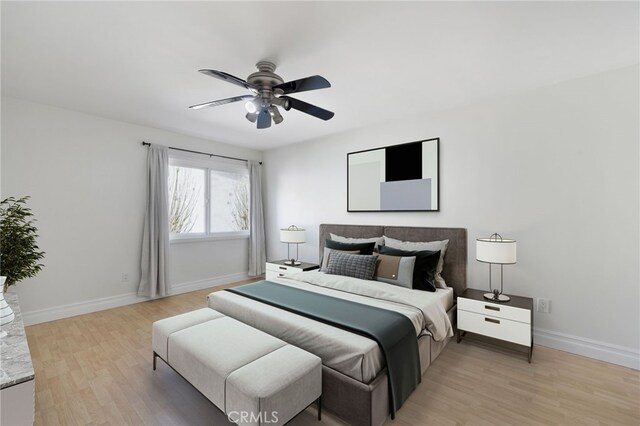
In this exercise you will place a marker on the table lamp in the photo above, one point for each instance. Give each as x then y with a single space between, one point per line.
292 235
496 250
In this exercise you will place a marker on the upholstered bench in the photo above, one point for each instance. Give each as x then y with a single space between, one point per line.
251 376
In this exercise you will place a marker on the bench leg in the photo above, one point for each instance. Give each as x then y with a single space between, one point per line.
320 408
155 355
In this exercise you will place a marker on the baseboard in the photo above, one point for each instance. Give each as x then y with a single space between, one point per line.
79 308
615 354
209 282
95 305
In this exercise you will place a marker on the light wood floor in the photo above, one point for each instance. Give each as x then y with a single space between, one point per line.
96 369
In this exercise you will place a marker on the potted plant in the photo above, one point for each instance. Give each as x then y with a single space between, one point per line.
19 251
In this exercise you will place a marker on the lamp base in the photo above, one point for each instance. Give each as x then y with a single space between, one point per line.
497 297
292 262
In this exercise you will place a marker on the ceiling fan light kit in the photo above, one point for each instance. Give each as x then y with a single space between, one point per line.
269 92
252 116
275 114
251 107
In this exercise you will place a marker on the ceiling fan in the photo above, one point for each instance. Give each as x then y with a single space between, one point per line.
268 92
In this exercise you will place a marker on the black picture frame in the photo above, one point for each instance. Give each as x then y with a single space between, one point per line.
403 177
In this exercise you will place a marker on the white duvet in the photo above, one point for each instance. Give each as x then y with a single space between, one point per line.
354 355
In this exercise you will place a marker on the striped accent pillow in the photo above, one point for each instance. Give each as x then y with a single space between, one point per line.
352 265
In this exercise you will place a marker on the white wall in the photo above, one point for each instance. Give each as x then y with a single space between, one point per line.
555 168
86 179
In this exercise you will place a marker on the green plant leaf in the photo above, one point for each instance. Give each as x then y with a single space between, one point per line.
19 252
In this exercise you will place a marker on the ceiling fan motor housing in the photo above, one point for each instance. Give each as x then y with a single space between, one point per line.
265 78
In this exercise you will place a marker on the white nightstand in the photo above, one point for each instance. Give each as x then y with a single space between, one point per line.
278 268
510 321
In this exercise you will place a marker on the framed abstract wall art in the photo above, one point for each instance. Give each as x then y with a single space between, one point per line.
396 178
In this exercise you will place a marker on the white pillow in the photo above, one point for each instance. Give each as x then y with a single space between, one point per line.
378 240
418 246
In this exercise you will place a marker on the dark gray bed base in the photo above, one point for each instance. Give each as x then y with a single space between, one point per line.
353 401
368 404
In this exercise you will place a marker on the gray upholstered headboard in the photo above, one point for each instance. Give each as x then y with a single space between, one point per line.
455 260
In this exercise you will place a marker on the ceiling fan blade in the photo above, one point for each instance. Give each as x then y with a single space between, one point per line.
229 78
264 119
314 82
316 111
223 101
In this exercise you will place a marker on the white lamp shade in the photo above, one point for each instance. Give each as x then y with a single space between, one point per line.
293 236
496 251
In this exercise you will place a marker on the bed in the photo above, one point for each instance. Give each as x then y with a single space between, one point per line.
355 382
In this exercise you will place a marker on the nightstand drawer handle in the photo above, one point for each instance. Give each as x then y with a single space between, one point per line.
495 321
492 308
283 267
281 275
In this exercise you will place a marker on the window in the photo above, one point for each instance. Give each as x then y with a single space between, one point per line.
229 201
187 201
208 199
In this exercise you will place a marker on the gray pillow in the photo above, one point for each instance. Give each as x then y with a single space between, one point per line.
421 246
378 240
395 270
327 253
352 265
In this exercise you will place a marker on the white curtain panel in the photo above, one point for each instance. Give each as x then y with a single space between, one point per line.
257 246
154 279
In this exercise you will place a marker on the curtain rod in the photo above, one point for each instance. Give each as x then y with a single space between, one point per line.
203 153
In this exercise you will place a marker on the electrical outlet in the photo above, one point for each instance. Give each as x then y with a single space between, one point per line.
543 305
125 277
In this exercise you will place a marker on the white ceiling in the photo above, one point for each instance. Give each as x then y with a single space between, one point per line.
138 61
